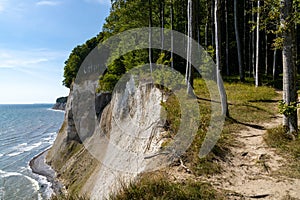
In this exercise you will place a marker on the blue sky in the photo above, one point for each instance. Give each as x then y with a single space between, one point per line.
36 37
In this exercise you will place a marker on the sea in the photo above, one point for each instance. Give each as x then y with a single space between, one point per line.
25 131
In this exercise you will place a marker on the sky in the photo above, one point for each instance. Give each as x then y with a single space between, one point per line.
36 37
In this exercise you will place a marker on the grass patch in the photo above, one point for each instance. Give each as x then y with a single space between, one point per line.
69 197
248 106
150 186
290 149
76 168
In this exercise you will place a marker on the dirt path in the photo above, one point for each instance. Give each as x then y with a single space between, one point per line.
248 169
247 172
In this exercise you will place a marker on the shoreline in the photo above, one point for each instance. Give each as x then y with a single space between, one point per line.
39 166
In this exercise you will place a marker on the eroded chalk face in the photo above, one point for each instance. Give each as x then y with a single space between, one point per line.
129 135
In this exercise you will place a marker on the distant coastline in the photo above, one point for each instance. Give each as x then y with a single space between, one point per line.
60 104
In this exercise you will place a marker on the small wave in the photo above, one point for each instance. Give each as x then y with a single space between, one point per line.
33 146
7 175
51 138
34 183
21 148
50 109
45 187
15 153
1 155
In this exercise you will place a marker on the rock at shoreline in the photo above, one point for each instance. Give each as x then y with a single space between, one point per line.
60 103
39 166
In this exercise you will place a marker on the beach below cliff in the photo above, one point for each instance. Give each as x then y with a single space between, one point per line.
39 166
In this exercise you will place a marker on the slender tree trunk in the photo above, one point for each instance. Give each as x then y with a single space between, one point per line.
150 34
188 74
250 44
162 22
275 64
244 35
253 41
172 34
208 5
257 82
212 24
289 67
227 40
266 52
239 50
222 91
298 47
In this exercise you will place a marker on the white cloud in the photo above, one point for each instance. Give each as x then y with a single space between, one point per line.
103 2
3 5
18 59
48 3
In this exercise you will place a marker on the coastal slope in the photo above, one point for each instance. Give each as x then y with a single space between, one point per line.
130 126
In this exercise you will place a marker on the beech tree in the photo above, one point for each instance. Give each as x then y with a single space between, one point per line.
257 82
289 68
238 42
217 37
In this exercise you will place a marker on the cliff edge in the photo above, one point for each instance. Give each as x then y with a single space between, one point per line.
130 127
60 103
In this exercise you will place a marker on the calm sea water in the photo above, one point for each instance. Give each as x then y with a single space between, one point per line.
25 131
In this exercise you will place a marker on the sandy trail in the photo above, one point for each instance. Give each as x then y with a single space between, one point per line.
247 171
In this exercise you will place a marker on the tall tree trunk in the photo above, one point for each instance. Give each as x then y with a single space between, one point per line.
244 35
289 67
221 88
172 34
212 24
250 43
208 21
298 47
253 40
227 40
275 64
239 50
162 22
266 52
150 34
275 68
189 46
257 82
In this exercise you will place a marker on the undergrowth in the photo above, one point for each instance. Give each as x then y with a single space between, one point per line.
159 187
279 139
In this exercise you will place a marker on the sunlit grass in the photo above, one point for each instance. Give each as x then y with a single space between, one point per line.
289 149
159 187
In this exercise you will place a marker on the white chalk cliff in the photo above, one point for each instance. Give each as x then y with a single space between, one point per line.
126 142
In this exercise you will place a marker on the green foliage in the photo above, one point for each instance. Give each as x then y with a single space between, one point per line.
211 51
77 56
107 82
287 109
153 186
62 100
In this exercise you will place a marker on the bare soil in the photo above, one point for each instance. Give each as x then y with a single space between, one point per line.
248 169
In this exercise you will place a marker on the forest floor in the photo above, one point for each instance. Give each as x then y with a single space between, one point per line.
248 172
252 169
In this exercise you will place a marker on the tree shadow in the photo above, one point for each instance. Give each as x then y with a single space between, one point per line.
255 126
263 101
209 100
